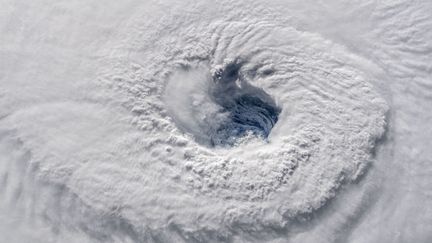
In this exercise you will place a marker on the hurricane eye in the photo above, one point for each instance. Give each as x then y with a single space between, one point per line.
222 108
249 110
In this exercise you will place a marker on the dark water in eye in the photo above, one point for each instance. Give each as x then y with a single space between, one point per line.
249 109
248 113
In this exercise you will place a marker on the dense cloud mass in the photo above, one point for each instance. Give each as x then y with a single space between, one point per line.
203 121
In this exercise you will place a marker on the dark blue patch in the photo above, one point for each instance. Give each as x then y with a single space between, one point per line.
250 109
247 114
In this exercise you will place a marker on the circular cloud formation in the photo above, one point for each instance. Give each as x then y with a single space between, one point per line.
245 124
204 121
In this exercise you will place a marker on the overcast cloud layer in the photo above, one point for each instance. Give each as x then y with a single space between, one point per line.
196 121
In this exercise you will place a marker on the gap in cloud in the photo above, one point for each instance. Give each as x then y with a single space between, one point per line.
219 109
250 110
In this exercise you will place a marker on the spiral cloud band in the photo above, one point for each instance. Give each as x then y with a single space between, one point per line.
200 122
